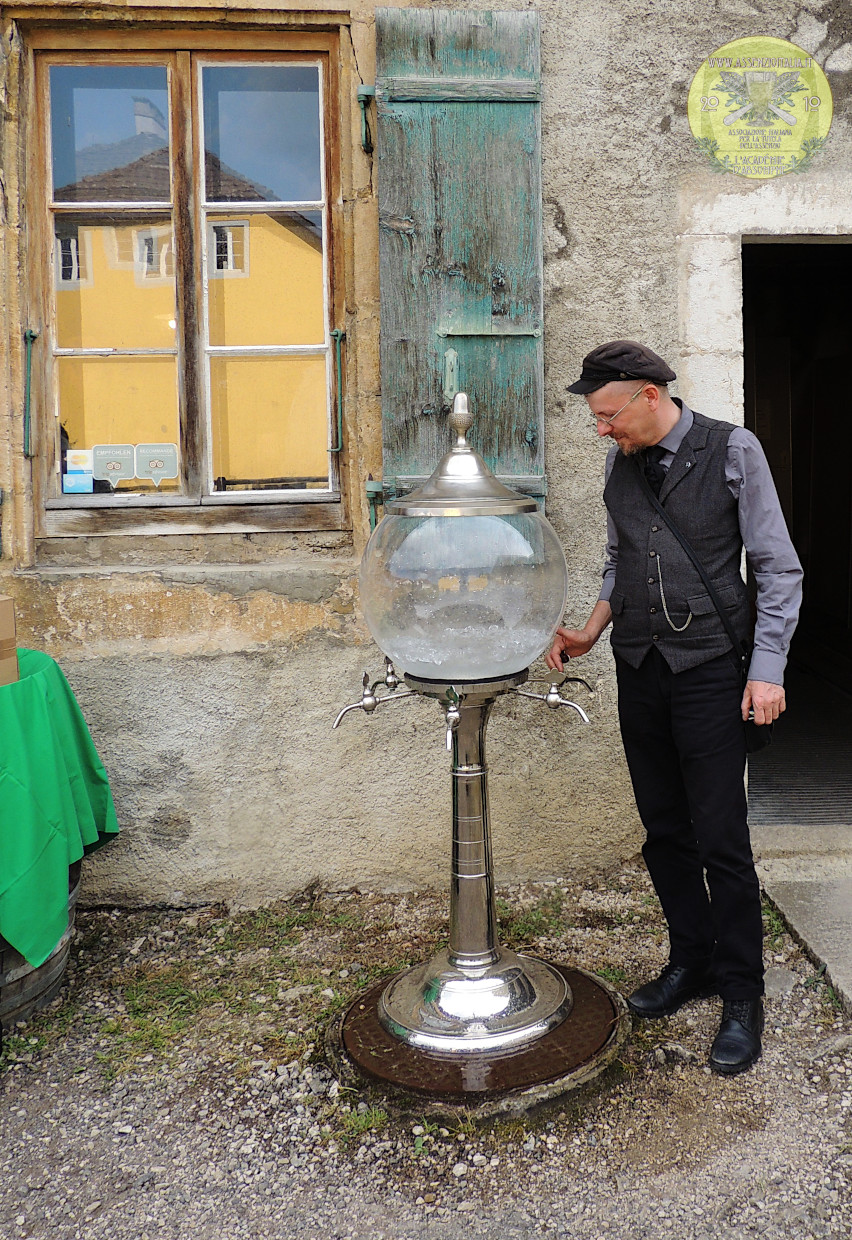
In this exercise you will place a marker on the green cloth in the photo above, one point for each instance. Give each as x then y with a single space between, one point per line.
55 804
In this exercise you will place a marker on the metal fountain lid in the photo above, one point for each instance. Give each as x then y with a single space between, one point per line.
462 485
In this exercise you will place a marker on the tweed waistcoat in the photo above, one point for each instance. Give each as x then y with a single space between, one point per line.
658 598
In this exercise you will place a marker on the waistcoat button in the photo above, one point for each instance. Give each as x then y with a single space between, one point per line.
651 580
653 611
652 554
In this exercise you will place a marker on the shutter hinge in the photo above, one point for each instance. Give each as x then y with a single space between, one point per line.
338 336
365 94
29 336
375 497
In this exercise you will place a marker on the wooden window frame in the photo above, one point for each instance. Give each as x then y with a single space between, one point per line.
184 52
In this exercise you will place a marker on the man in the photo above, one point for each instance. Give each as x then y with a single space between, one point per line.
681 700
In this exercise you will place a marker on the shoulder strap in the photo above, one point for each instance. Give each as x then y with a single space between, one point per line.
736 644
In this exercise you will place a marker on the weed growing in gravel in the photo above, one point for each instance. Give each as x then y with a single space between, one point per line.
831 1002
774 926
611 973
465 1126
158 1005
520 926
18 1047
42 1030
355 1123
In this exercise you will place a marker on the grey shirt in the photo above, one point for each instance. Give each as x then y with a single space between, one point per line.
769 550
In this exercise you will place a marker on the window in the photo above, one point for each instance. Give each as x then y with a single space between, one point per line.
228 246
71 264
190 357
155 254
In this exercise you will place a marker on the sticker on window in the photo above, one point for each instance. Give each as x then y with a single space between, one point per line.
156 461
78 477
112 462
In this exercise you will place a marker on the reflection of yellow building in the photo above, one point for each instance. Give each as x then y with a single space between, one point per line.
116 289
265 287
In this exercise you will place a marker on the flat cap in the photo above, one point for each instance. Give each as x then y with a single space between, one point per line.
620 359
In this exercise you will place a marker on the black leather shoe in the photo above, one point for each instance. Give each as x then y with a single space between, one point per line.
737 1044
676 985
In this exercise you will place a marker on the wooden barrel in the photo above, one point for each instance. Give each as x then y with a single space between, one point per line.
24 989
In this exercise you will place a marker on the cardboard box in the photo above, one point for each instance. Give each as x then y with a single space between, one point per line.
8 642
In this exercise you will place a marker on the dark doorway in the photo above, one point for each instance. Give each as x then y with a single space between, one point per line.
797 319
797 316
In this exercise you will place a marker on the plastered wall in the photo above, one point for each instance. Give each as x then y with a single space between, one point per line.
210 667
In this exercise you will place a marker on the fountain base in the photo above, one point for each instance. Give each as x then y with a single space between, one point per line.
571 1055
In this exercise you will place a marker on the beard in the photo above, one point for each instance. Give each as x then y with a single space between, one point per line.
629 448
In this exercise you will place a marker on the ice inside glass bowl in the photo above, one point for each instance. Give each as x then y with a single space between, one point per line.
463 597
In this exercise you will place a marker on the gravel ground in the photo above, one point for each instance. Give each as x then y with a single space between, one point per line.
178 1089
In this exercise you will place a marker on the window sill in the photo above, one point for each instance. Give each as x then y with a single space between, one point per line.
102 515
121 502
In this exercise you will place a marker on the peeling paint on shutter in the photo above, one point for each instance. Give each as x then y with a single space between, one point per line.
459 184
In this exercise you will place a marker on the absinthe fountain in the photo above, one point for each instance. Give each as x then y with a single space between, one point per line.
463 584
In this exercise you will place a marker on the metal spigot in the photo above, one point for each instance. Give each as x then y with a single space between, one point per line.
369 701
453 717
391 678
553 698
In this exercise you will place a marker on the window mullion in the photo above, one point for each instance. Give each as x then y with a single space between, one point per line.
185 194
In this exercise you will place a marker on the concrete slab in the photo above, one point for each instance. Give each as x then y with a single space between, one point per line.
807 875
782 840
820 912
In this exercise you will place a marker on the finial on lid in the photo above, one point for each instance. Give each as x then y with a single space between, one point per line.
461 483
461 418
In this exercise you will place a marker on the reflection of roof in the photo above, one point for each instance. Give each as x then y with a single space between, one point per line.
115 173
307 227
145 178
106 156
226 185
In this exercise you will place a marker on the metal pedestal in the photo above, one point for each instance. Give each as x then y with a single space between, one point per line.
476 996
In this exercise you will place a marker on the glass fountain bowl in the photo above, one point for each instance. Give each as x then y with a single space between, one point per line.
463 597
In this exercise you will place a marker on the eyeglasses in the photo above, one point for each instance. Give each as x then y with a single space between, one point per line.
598 417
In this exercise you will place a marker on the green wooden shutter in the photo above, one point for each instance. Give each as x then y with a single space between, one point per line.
459 184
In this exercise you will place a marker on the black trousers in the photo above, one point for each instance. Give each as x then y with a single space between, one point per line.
685 746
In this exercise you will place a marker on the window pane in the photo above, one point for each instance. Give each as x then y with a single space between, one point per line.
115 282
270 422
110 133
124 401
265 279
262 133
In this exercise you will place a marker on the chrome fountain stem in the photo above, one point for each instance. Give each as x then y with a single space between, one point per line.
473 933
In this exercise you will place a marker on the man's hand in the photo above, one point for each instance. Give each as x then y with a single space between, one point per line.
766 700
570 644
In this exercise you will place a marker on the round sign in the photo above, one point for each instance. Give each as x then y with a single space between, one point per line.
760 107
